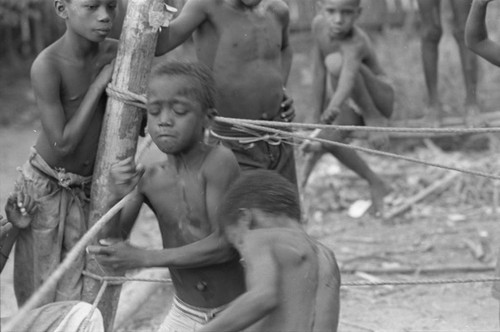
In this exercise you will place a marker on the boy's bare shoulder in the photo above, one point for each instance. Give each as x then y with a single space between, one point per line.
220 156
279 8
48 59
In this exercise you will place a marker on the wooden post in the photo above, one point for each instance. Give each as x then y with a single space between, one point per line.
120 131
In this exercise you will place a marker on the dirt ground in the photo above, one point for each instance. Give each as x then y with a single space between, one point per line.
443 231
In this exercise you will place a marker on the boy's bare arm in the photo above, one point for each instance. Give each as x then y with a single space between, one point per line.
352 56
192 15
283 14
8 236
476 33
260 299
210 250
319 79
64 135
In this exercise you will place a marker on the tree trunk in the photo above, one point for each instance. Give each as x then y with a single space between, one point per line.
120 131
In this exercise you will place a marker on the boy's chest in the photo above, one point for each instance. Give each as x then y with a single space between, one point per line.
179 203
251 36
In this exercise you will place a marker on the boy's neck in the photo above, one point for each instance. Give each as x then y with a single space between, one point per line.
78 47
191 158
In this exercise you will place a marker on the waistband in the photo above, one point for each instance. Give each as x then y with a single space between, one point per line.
205 314
63 178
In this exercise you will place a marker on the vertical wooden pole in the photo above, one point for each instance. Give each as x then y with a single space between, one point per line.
120 131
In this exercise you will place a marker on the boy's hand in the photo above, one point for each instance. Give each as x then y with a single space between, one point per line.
118 256
5 227
104 76
19 208
329 115
287 111
124 176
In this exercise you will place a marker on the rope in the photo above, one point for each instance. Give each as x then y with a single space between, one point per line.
295 125
126 97
417 282
140 101
366 150
120 280
94 305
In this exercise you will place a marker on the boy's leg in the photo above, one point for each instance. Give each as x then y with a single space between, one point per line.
351 159
310 160
379 90
431 32
468 60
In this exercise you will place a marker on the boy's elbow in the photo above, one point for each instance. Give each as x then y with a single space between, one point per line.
63 149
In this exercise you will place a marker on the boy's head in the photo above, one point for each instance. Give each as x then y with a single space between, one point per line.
340 14
91 19
260 190
180 105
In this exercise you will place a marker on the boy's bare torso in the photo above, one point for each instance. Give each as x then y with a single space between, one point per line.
75 76
243 47
298 279
356 45
176 193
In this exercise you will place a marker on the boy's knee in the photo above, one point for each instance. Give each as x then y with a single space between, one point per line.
432 33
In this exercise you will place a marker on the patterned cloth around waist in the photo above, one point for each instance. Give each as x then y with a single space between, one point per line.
63 178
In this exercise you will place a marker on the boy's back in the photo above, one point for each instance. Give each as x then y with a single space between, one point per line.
297 284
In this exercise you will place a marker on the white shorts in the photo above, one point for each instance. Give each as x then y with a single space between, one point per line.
183 317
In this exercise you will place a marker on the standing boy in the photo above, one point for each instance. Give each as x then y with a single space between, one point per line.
184 192
68 78
431 32
477 39
245 43
292 281
343 54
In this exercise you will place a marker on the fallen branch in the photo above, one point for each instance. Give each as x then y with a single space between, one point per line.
439 185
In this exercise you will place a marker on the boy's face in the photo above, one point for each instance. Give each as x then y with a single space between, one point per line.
92 19
176 118
341 15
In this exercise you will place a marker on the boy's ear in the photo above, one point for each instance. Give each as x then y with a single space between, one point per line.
245 217
209 117
60 7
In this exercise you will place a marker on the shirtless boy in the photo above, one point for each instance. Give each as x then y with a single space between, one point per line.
68 78
245 43
184 192
343 54
431 32
292 281
478 41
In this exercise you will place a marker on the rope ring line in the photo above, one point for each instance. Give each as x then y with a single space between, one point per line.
374 152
